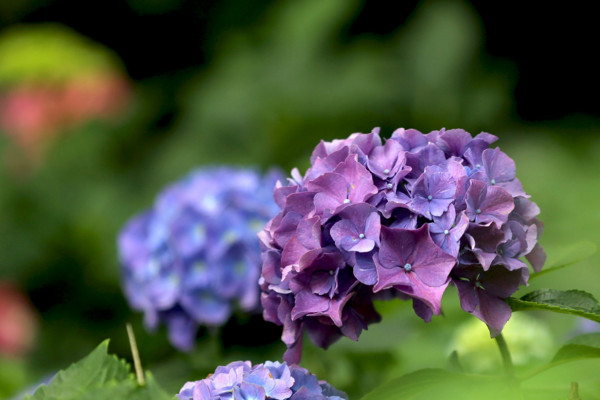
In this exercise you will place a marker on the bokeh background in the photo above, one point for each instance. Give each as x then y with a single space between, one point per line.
104 103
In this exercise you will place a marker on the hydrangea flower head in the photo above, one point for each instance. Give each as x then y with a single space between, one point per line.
405 217
194 255
268 381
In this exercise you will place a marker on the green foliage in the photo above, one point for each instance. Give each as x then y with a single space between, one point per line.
442 384
99 376
50 53
12 376
581 347
575 302
568 256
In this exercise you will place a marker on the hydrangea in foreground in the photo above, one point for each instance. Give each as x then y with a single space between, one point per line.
404 218
188 260
271 380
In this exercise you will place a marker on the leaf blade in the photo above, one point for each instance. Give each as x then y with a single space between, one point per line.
573 254
574 302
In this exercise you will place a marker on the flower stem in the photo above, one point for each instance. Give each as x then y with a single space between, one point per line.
506 358
137 362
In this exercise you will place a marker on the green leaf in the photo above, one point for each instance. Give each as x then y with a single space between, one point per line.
150 391
581 347
93 371
575 302
442 384
568 256
99 376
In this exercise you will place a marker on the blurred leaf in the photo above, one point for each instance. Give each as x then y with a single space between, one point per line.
575 302
554 381
576 352
12 376
454 363
568 256
441 384
50 53
584 346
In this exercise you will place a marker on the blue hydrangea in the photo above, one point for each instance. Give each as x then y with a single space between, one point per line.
194 256
268 381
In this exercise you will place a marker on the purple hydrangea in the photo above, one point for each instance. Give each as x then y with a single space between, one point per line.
193 256
271 380
400 219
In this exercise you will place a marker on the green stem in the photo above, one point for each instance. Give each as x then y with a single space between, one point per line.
506 358
137 362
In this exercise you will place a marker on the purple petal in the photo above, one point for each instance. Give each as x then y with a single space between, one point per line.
364 269
488 204
537 257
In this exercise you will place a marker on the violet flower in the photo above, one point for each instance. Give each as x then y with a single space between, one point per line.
398 218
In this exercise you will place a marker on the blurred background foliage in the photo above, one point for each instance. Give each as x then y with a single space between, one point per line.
260 83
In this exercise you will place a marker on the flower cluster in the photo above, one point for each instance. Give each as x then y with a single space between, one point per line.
271 380
188 260
403 219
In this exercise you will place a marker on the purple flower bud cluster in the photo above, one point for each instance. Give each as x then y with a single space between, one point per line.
271 380
193 256
403 218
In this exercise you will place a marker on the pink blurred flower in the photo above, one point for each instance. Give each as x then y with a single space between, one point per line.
34 114
18 322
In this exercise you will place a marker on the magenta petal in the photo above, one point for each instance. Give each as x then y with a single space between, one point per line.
430 295
301 203
363 246
286 228
495 312
388 277
410 139
364 269
487 204
498 165
326 164
359 181
309 304
537 257
293 354
467 295
422 310
309 233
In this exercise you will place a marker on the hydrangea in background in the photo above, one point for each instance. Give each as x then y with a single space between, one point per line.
18 322
271 380
52 79
193 256
404 218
